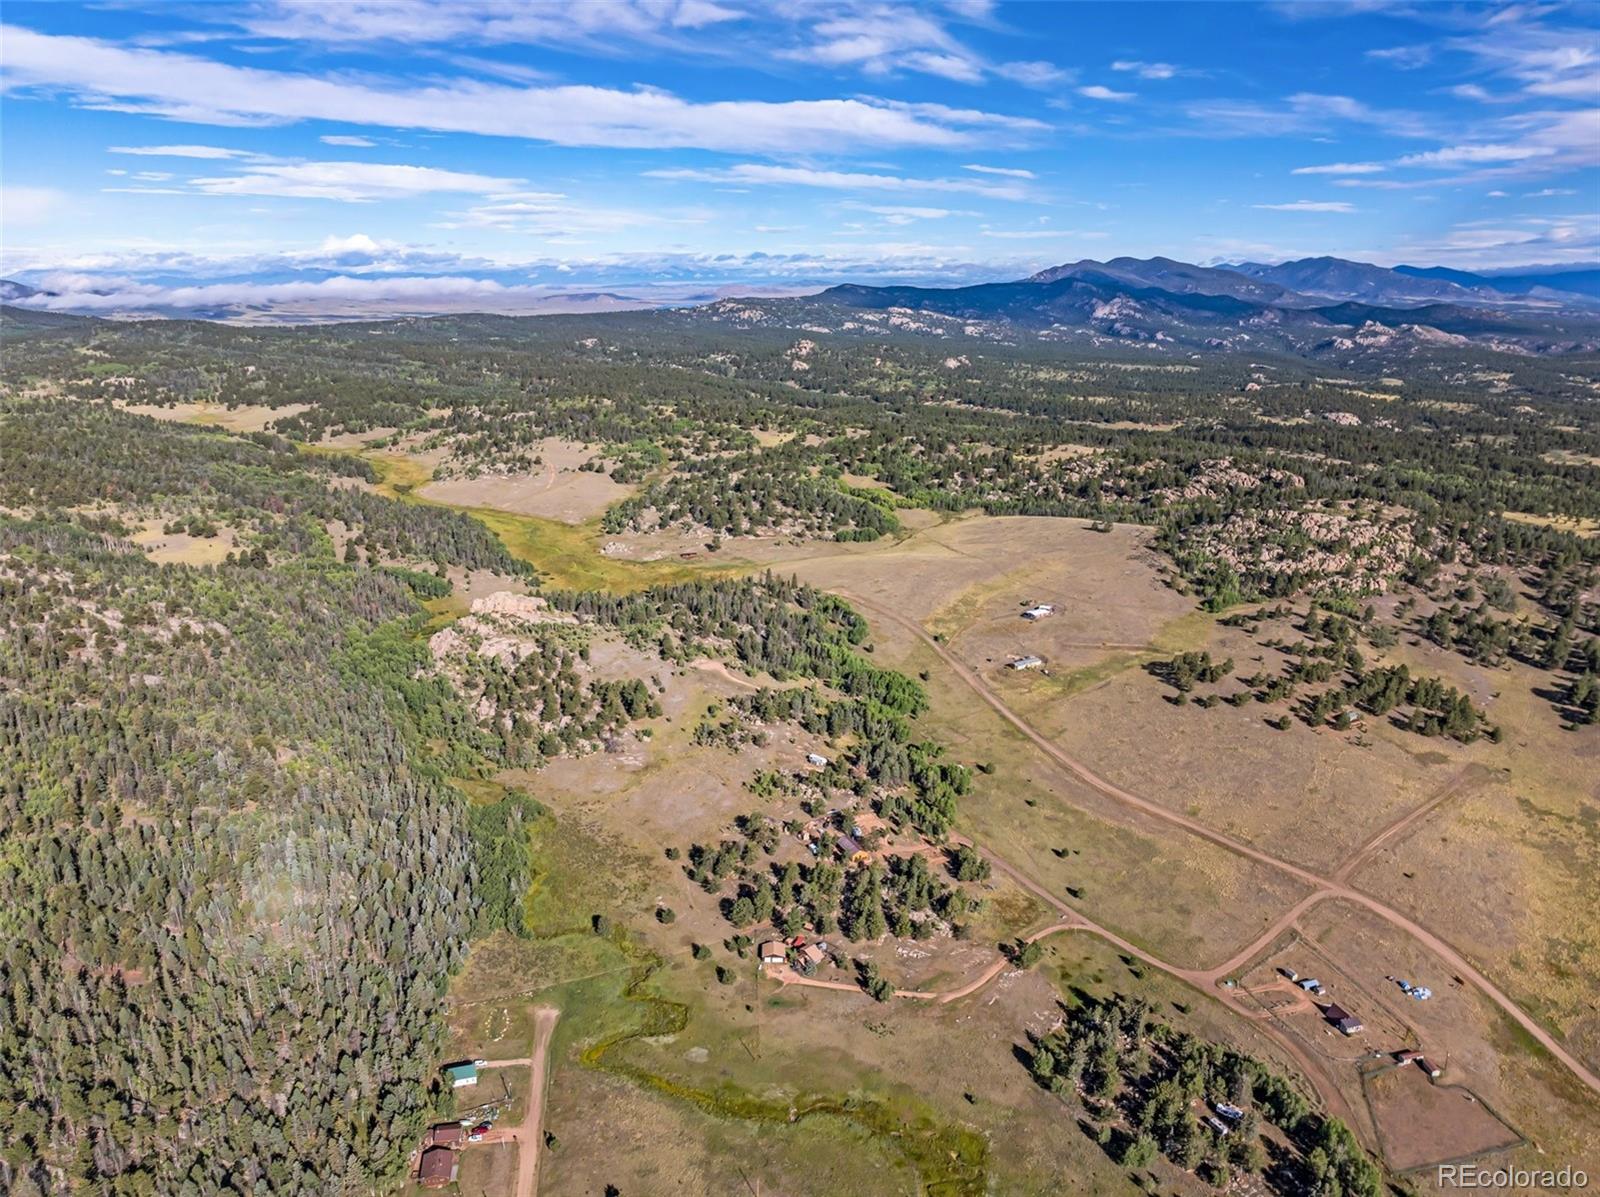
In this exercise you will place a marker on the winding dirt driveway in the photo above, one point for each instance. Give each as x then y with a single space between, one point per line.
1324 888
529 1136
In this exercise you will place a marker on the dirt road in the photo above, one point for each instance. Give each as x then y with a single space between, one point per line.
529 1137
1324 887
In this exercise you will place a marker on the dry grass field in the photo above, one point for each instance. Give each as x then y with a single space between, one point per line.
179 548
558 490
1423 1124
233 419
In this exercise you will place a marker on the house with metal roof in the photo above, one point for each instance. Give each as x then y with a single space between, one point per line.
437 1168
1345 1022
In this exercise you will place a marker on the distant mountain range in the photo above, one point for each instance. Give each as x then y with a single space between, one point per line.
1311 282
1319 307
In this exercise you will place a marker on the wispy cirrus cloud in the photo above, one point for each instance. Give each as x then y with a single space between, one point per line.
1308 206
1096 91
1454 156
1149 70
179 151
1034 74
1302 113
559 219
1407 58
1046 234
885 39
1341 168
1543 57
906 213
105 75
761 174
1010 172
349 182
582 23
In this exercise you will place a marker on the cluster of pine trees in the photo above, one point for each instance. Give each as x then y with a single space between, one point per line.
1148 1086
863 900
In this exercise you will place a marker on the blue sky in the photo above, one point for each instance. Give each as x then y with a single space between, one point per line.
616 141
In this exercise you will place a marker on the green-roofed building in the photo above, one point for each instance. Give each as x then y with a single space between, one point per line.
461 1075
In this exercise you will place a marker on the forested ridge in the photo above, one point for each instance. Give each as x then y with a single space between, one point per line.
237 877
240 877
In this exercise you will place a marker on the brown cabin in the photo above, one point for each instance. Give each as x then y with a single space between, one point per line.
437 1168
445 1134
1344 1022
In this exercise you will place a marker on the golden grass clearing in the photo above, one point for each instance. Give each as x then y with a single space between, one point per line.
217 415
557 489
1577 525
179 548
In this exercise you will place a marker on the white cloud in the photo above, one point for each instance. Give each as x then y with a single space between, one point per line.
906 214
1518 43
488 22
1303 113
1145 70
557 217
28 205
1548 192
179 151
1308 206
341 139
1341 168
351 182
1407 58
354 243
1010 172
1045 234
1470 155
1033 74
1574 87
184 87
886 40
836 180
1096 92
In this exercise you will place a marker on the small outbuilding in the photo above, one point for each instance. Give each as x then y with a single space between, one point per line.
1039 611
437 1168
1029 662
817 759
445 1134
1343 1021
813 955
461 1075
773 952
